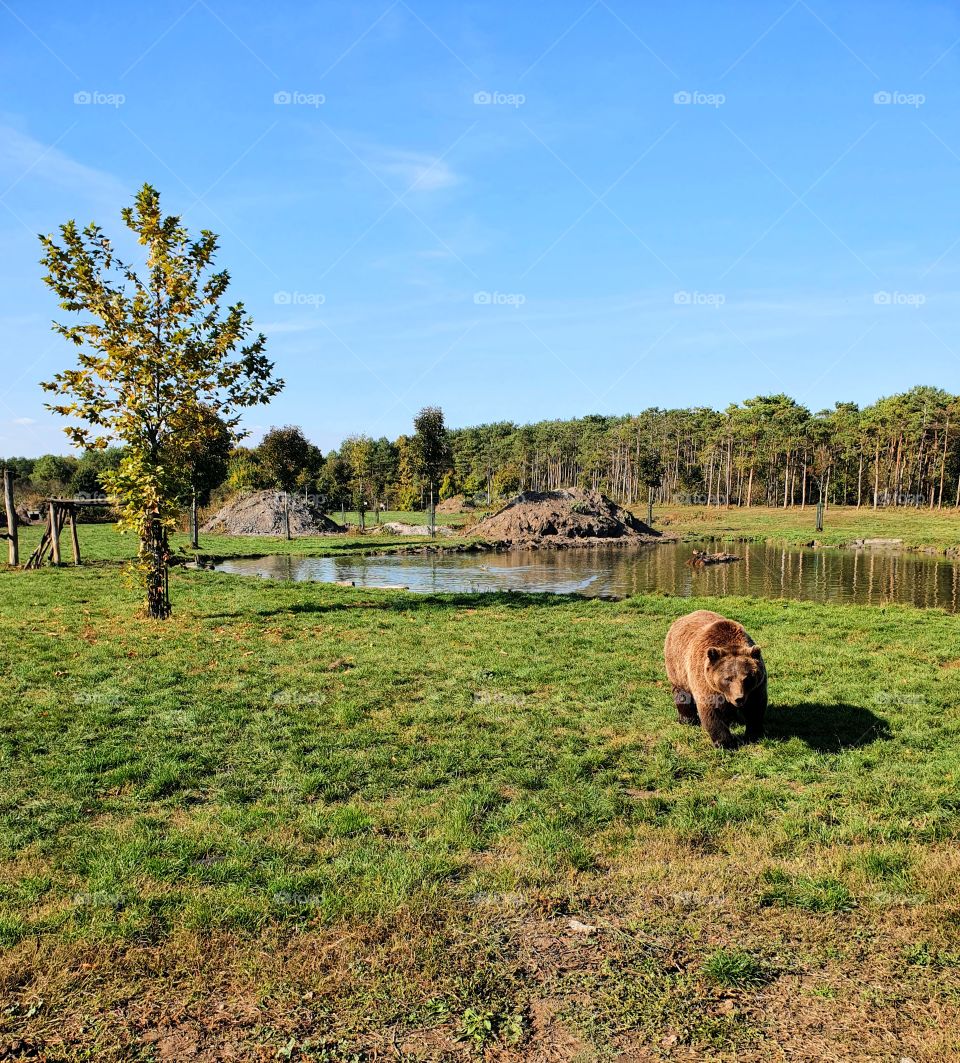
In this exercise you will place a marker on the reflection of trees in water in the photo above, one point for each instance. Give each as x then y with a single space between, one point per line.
873 577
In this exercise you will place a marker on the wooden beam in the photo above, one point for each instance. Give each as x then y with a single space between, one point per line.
74 539
13 541
36 558
55 533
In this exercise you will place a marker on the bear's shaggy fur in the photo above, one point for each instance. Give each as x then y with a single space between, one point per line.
716 670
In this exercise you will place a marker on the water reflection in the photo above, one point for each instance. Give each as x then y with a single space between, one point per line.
874 577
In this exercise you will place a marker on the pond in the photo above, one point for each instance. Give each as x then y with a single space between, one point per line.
767 570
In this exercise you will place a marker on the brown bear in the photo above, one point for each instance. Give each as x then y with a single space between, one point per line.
716 669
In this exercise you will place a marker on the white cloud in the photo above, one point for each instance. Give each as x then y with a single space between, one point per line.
24 158
24 421
419 172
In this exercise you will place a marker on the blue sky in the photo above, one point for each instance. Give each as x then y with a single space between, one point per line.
515 211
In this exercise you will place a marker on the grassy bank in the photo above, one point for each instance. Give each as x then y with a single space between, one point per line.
316 823
918 528
102 543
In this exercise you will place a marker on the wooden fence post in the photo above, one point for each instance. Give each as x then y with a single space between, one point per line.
13 542
54 533
74 539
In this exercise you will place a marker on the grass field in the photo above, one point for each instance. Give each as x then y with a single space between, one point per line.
918 528
307 822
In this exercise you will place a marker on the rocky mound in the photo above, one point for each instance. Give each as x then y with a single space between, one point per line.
569 517
455 504
261 513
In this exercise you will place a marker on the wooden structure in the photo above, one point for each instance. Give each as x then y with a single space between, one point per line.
60 510
13 541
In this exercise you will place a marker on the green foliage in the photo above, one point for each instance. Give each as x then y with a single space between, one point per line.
158 361
283 455
448 487
430 445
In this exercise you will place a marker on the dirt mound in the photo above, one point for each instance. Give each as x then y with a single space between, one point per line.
455 504
568 517
261 513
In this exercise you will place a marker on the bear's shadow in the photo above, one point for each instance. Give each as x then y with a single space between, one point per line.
826 728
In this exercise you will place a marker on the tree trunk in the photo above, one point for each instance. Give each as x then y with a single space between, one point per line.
194 525
155 554
13 542
432 516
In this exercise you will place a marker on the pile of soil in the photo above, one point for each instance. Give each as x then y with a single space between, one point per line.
570 517
261 513
455 504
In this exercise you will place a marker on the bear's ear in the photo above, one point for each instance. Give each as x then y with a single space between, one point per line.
755 651
714 653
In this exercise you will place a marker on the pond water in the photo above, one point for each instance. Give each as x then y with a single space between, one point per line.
867 576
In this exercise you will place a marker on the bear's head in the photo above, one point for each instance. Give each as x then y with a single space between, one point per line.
734 673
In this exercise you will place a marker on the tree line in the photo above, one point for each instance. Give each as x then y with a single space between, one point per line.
903 450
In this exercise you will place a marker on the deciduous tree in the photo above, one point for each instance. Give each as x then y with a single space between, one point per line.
156 350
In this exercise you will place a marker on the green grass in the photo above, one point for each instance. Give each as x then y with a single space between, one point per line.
346 820
937 530
734 968
102 542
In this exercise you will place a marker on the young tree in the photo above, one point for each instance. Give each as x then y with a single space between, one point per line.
357 451
431 451
209 465
407 491
283 455
155 351
383 472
